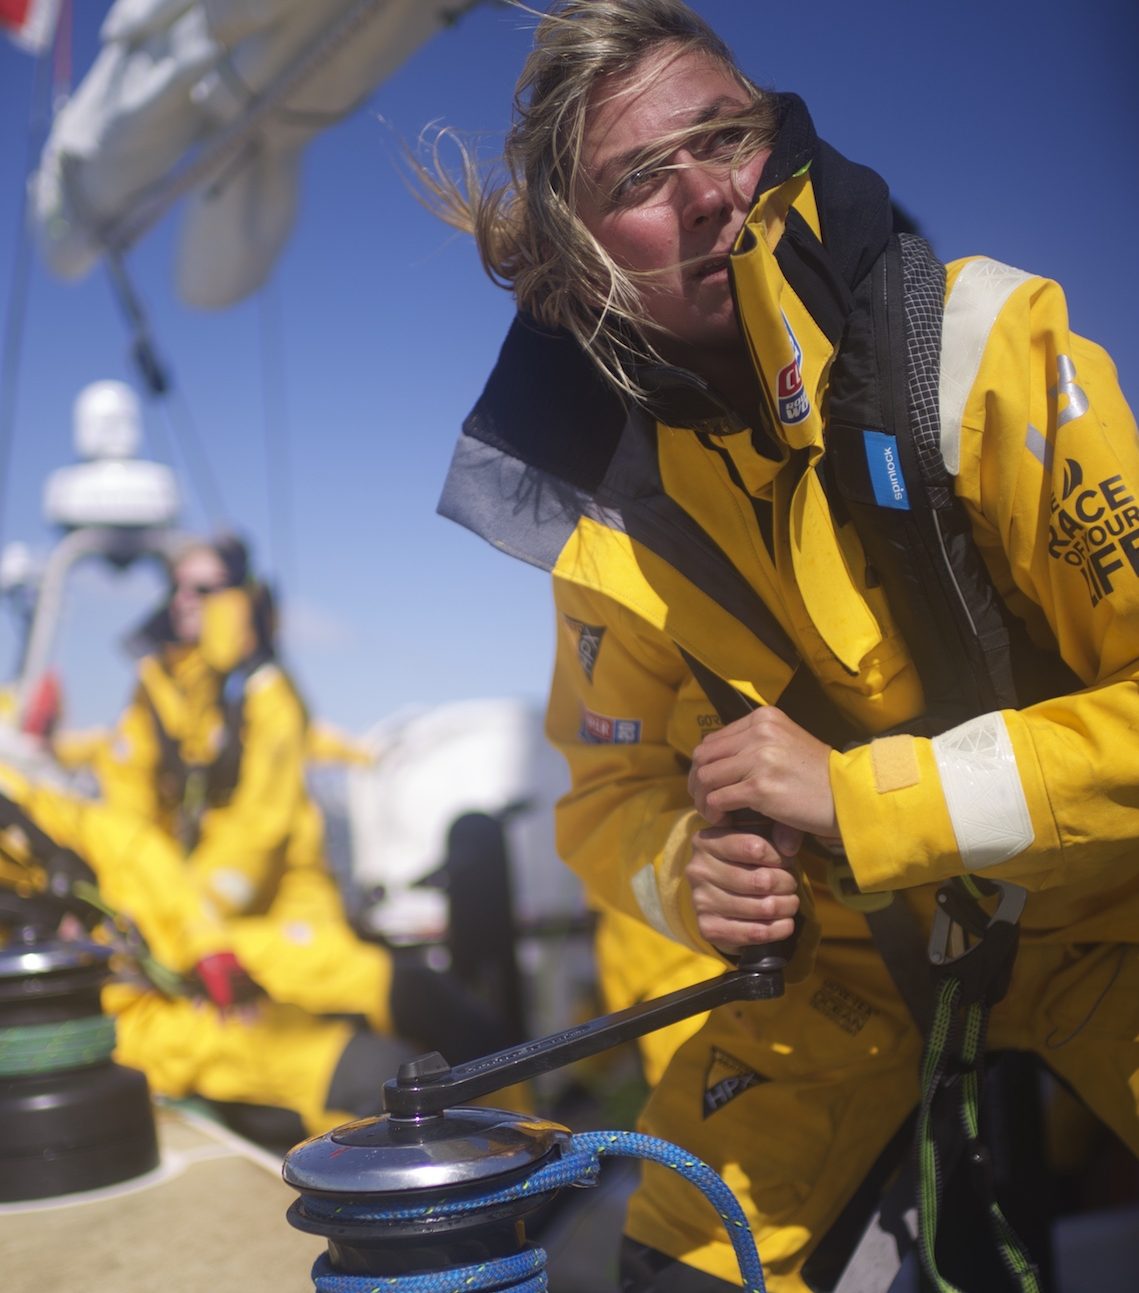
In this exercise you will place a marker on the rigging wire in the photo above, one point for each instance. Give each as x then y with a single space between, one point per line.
274 403
43 95
169 399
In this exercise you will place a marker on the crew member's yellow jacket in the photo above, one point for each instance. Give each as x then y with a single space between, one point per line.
259 853
1047 462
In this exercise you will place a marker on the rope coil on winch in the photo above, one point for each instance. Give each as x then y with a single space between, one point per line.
579 1165
32 1049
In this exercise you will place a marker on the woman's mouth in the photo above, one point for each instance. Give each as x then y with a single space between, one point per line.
711 268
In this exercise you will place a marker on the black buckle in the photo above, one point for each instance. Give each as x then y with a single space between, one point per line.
968 944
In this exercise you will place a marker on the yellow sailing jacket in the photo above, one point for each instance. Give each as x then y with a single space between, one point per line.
259 855
267 824
1045 458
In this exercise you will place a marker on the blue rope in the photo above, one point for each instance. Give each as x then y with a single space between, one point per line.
498 1276
579 1165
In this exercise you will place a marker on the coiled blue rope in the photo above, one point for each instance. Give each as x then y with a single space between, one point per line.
524 1272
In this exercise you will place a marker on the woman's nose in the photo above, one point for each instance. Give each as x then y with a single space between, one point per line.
706 191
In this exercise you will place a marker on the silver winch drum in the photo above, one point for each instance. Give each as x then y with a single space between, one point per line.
375 1164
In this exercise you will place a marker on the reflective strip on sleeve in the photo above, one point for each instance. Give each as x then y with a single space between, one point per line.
982 788
1040 449
648 899
977 298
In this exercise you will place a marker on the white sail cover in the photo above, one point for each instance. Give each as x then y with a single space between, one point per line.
176 81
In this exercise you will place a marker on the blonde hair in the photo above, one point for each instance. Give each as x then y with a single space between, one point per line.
522 213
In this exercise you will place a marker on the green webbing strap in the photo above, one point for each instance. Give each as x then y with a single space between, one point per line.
32 1049
952 1016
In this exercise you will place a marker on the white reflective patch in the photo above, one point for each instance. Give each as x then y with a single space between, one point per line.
1039 447
1077 404
232 887
298 932
983 792
648 899
977 298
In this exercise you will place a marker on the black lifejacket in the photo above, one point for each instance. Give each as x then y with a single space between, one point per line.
884 471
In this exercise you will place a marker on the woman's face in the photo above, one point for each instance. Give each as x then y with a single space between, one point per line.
198 574
679 220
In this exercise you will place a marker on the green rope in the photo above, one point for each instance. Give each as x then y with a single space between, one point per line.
32 1049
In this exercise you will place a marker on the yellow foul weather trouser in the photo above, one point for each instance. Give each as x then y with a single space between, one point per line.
794 1124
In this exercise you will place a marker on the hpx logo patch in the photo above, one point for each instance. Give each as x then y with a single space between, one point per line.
725 1078
885 471
588 644
598 729
793 403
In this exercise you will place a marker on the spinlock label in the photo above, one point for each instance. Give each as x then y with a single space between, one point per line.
885 470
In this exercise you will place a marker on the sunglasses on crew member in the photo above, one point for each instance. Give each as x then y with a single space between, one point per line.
202 590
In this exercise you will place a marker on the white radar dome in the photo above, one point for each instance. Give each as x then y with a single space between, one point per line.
107 421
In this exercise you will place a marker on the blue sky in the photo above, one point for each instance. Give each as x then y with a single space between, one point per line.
1009 129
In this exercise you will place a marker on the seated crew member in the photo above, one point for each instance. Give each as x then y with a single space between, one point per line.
212 751
697 389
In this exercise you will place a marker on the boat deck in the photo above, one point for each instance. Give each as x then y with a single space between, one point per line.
210 1216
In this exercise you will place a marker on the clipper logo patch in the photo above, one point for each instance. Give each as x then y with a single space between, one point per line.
885 471
599 729
588 644
725 1078
842 1007
793 403
1094 528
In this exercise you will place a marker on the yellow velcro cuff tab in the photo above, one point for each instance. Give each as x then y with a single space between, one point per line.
895 763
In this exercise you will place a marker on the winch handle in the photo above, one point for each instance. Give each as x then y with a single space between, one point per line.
767 958
428 1084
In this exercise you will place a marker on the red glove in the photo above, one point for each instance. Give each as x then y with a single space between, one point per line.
224 980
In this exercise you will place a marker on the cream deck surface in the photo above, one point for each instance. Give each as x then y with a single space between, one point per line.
209 1219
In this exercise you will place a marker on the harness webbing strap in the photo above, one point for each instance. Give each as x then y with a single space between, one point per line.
957 1085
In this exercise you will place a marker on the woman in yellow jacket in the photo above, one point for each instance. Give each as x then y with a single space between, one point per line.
212 751
688 257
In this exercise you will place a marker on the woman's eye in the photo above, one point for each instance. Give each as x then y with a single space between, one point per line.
636 181
721 144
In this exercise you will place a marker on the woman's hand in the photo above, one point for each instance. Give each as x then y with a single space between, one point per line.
743 888
768 764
